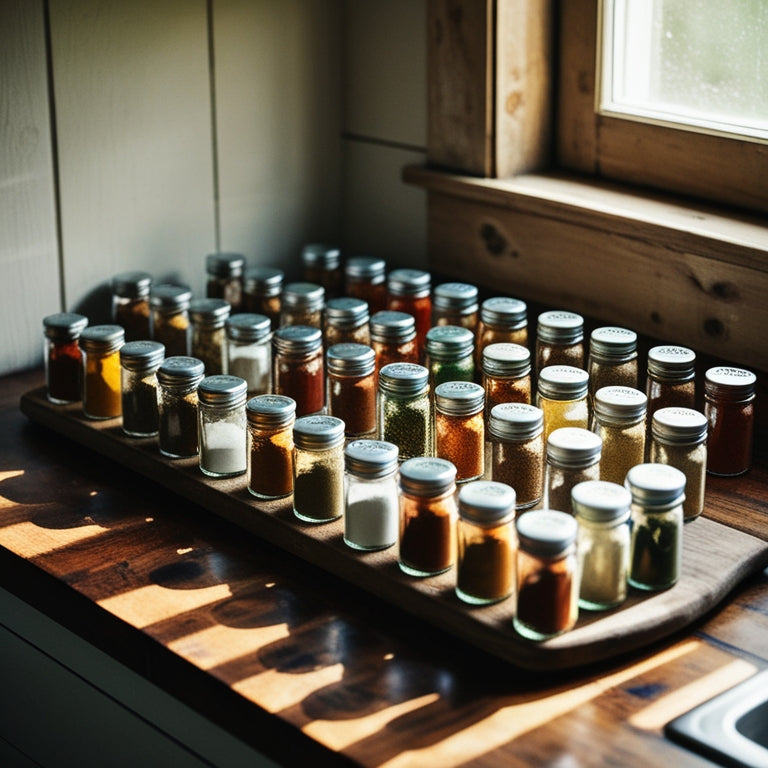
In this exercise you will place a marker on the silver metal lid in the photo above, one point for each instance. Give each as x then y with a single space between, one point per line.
449 342
598 501
573 447
248 327
560 327
350 359
365 267
487 502
679 425
403 379
656 485
516 421
209 312
563 382
297 339
180 370
264 281
64 326
671 363
427 476
318 432
134 284
546 532
319 254
391 326
504 359
223 390
621 404
732 383
102 338
461 296
346 312
371 458
613 342
141 355
504 310
170 297
409 282
308 296
225 264
271 411
459 398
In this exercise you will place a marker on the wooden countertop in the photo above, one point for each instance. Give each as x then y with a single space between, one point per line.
303 666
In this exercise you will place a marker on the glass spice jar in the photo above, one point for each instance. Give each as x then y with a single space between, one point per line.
366 279
139 362
559 339
249 350
347 321
178 378
63 357
405 409
263 287
563 396
100 345
670 380
130 303
486 543
321 264
506 370
612 360
352 387
393 338
729 405
460 427
170 318
573 456
679 438
371 507
658 492
450 354
455 304
222 425
619 419
503 320
318 468
302 304
299 369
225 278
410 291
428 515
602 510
517 444
270 421
209 344
547 574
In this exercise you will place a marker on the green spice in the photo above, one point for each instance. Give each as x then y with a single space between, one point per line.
318 492
655 554
407 424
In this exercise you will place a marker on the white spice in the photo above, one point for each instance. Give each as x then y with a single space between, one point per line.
371 519
252 363
223 449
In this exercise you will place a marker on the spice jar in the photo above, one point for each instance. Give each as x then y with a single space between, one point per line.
270 445
346 321
366 279
658 492
503 320
208 334
602 512
170 318
612 360
225 278
562 395
222 425
405 411
455 304
263 287
302 304
547 574
729 405
352 388
428 514
63 357
249 350
298 367
573 456
619 419
100 345
670 379
371 508
322 265
506 374
450 354
393 338
486 543
679 438
130 303
460 427
318 468
139 362
178 378
410 291
559 339
517 444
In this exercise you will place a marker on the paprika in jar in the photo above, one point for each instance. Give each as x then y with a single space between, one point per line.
299 368
366 279
63 357
100 345
410 291
460 427
352 388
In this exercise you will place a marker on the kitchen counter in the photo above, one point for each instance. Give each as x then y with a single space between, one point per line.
297 665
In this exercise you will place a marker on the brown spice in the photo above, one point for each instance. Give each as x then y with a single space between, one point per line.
353 400
461 440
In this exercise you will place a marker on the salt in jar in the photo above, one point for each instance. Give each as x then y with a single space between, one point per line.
222 425
249 350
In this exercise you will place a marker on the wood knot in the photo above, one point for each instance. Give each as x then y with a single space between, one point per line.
714 328
495 242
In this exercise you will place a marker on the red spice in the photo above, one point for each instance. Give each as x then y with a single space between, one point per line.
421 309
303 380
353 400
64 371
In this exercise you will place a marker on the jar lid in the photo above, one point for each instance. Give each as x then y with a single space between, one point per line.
350 359
599 501
309 296
448 342
346 312
560 327
613 341
506 359
427 476
297 339
140 355
403 378
365 267
732 383
371 458
455 296
212 312
563 382
459 398
620 403
546 532
487 502
389 326
679 425
170 297
223 390
134 284
178 370
516 421
270 411
102 338
64 326
246 326
656 485
264 281
573 447
318 432
409 282
321 255
225 264
504 310
672 363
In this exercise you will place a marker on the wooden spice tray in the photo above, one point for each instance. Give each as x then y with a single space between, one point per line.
715 558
